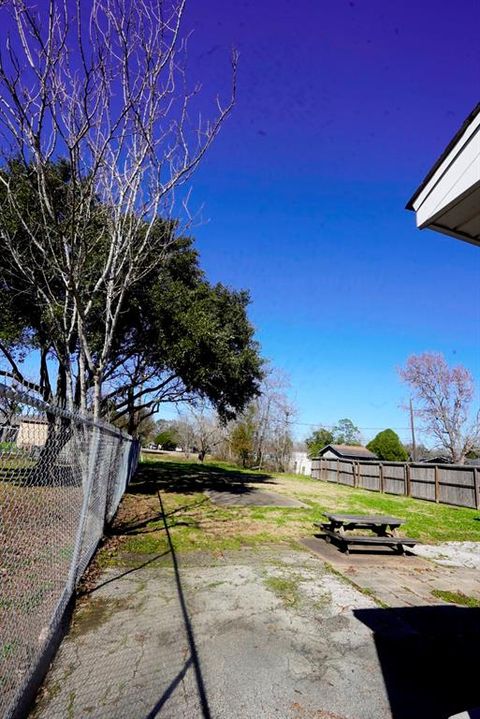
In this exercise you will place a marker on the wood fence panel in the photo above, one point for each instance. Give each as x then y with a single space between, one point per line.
369 476
457 485
422 481
317 468
331 470
394 478
346 473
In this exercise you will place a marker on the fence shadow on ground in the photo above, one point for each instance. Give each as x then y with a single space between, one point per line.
192 662
191 477
429 658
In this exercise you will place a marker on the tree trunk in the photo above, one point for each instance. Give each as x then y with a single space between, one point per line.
97 394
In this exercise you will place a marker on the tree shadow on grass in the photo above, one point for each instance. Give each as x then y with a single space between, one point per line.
190 478
429 658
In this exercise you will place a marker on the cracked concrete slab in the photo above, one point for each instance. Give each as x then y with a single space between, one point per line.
262 634
228 641
246 496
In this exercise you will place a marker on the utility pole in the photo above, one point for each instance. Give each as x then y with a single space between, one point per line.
412 427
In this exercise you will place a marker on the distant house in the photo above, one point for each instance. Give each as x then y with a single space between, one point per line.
346 451
440 459
32 432
448 200
300 463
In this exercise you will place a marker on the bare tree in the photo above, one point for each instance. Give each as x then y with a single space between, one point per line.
274 413
280 442
444 396
103 85
185 431
207 430
261 436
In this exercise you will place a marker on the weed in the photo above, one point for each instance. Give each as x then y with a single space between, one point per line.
285 589
456 598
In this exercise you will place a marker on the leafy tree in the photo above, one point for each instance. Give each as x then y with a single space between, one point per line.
166 439
177 338
318 440
104 86
345 432
183 338
386 445
242 438
443 396
473 454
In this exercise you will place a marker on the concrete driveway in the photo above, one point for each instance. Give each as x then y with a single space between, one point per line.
250 635
256 635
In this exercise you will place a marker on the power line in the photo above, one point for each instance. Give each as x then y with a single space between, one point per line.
332 426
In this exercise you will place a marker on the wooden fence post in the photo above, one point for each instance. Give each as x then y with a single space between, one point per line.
338 470
476 479
437 493
408 478
381 478
354 472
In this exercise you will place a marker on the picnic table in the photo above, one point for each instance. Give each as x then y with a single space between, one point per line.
382 527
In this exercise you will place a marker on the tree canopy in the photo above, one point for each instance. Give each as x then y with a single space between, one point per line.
345 432
386 445
178 336
318 440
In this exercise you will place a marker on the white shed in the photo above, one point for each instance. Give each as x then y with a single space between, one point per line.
448 200
300 463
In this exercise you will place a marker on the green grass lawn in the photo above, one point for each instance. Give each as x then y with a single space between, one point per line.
195 523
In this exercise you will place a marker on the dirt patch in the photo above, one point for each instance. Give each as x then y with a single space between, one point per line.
91 614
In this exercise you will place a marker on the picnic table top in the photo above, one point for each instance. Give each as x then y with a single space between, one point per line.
367 519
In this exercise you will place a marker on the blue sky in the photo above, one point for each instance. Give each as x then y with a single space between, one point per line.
342 109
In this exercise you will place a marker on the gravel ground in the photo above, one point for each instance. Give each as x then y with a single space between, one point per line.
451 554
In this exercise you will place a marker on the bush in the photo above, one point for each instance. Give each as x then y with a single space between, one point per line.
166 440
387 446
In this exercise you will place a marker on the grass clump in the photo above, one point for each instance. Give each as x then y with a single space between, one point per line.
284 589
456 598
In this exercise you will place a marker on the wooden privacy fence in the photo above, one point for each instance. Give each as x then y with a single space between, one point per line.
455 484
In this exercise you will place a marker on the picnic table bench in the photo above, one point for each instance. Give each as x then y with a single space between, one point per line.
383 528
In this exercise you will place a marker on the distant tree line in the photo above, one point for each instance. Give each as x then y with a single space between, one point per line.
344 432
259 437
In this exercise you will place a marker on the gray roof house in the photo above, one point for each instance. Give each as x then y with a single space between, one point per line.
346 451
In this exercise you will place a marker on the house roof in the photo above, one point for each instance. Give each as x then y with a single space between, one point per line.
30 419
443 156
439 459
349 450
448 199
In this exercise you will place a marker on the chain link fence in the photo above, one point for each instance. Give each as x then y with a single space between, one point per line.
62 476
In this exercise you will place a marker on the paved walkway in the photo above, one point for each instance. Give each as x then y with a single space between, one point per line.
395 580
